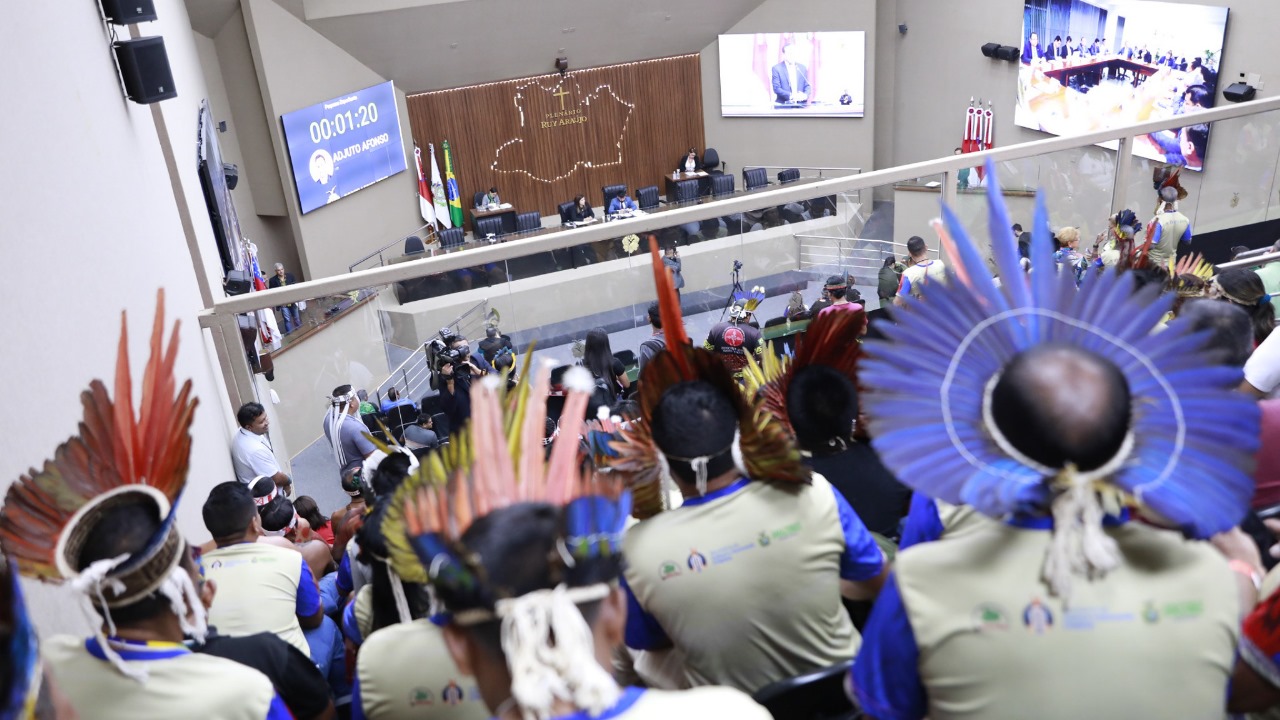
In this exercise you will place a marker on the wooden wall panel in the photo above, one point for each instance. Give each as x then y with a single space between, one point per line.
544 139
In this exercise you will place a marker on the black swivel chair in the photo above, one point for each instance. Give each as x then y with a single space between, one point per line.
528 222
400 416
647 197
753 178
477 198
610 192
565 208
817 696
686 191
788 175
413 244
488 225
453 237
375 422
711 161
721 184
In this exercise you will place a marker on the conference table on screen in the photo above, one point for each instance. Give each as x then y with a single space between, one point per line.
1115 62
570 257
505 212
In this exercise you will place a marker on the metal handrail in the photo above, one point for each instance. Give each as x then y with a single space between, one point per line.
1248 262
431 231
779 195
802 167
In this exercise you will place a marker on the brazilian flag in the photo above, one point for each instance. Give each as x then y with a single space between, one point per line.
451 188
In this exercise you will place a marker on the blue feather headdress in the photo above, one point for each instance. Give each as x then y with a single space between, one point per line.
24 677
745 302
1192 437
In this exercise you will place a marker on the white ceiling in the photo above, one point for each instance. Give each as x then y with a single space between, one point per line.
434 44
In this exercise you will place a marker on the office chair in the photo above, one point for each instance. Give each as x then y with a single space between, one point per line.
686 191
609 191
753 178
477 198
453 237
413 244
721 184
711 161
528 222
564 209
788 175
818 695
487 225
647 197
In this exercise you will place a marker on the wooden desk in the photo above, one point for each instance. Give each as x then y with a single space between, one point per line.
508 216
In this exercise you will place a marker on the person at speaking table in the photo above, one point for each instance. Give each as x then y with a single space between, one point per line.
621 202
688 163
489 198
581 211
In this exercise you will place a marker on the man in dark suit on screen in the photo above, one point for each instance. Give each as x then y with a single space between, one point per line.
790 79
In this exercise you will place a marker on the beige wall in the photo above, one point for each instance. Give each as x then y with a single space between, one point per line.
272 235
297 67
812 142
90 219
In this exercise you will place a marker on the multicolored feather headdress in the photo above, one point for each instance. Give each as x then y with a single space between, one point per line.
118 458
498 461
1192 436
829 341
745 303
761 447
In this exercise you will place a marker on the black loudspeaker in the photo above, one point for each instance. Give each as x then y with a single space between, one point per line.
1009 53
144 67
1239 92
989 50
128 12
238 282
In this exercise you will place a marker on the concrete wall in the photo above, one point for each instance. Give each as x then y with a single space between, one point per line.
812 142
297 67
348 350
91 221
272 234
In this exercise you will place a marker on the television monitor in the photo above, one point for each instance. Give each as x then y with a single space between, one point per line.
808 74
1090 66
343 145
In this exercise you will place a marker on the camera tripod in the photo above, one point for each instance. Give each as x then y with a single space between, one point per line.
735 274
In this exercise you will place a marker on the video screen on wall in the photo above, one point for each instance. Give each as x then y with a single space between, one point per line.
1090 66
343 145
806 74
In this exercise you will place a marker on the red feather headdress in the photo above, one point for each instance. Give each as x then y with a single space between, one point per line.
119 457
767 451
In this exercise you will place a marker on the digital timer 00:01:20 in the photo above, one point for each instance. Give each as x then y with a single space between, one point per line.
323 129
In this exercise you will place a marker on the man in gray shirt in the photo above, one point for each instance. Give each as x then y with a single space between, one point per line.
655 343
343 416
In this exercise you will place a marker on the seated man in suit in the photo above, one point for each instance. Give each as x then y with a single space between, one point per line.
622 201
790 79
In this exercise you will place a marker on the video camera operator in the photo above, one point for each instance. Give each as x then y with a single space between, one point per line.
456 367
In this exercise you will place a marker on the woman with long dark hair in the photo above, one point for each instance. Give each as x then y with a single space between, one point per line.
1243 287
308 510
598 357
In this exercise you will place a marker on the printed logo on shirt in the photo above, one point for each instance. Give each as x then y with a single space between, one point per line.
1089 618
1150 614
1037 617
734 337
451 694
419 697
989 617
1185 610
668 569
764 539
697 561
722 555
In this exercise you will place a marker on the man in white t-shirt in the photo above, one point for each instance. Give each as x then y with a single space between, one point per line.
251 453
922 270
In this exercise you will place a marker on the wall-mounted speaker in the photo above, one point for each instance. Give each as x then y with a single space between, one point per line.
144 67
128 12
1239 92
232 174
1008 53
989 49
238 282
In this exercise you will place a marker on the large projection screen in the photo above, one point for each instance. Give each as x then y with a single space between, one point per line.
1089 66
808 74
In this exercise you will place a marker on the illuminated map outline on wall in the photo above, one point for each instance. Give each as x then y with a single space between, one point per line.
566 117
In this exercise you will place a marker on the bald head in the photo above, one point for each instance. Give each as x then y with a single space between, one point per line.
1061 405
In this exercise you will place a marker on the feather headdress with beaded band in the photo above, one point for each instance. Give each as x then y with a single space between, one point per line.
1190 441
498 461
766 451
119 457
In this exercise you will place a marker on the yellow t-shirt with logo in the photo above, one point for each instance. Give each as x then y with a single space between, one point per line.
257 591
745 582
404 671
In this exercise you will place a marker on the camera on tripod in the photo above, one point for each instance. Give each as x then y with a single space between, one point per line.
737 265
